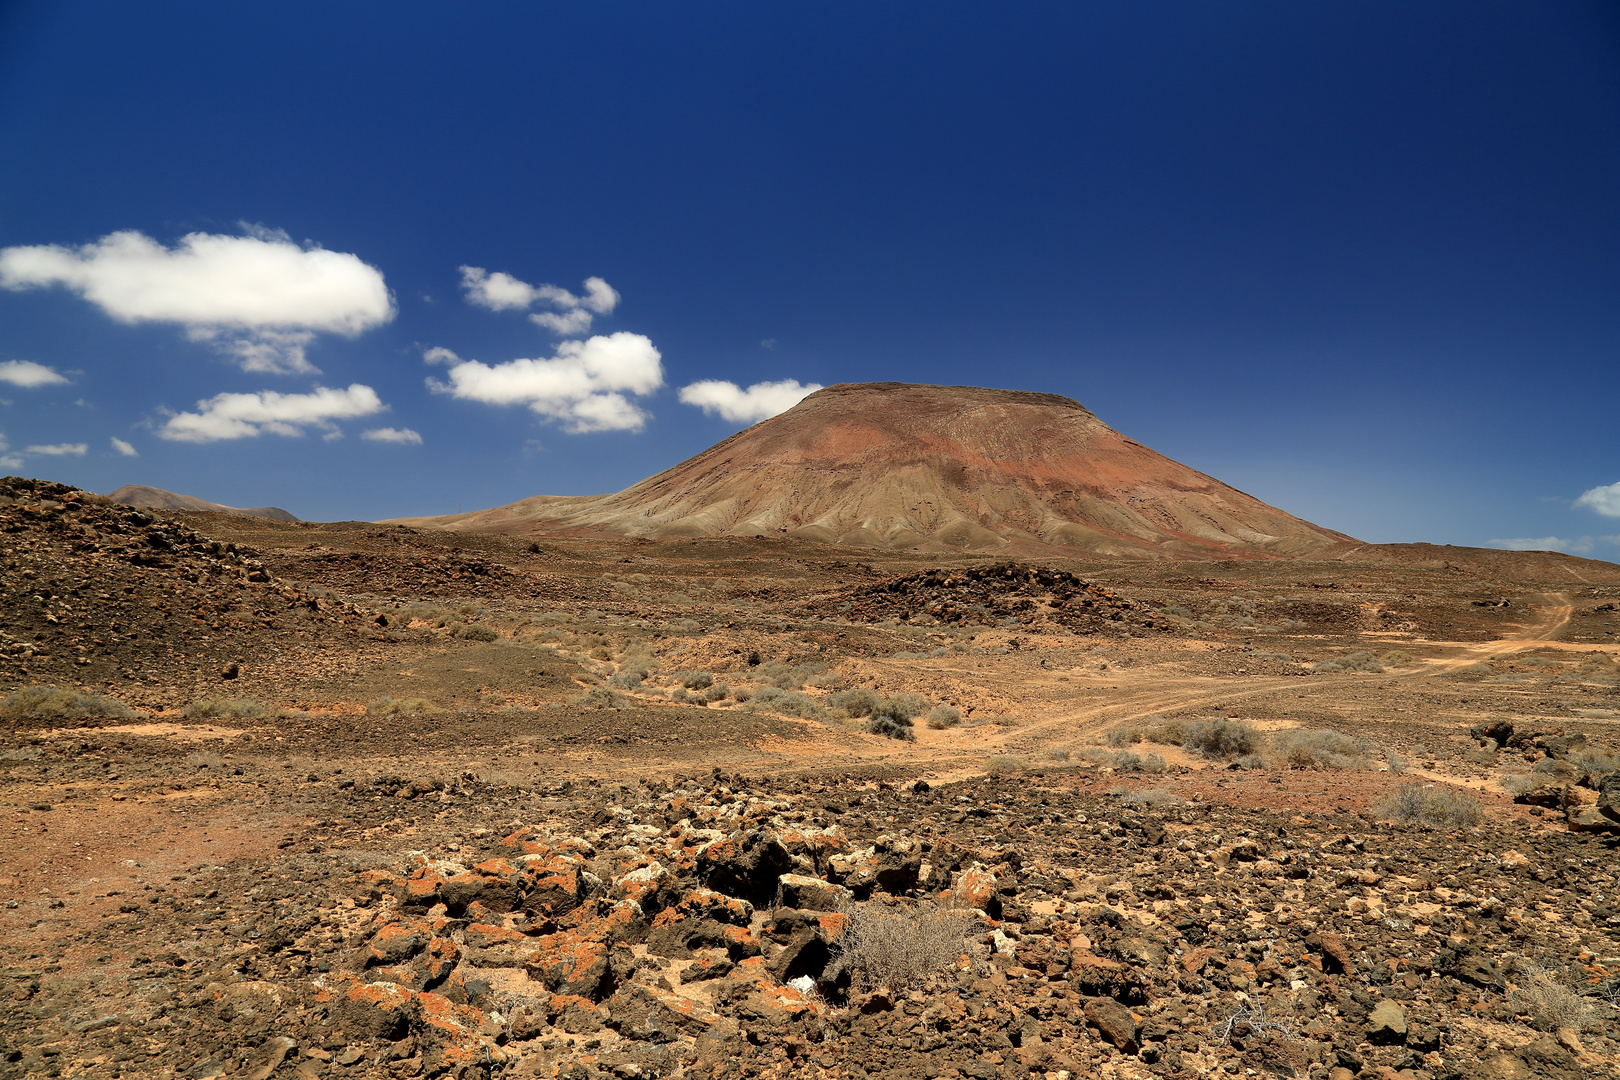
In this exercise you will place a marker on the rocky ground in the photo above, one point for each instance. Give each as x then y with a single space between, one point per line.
470 809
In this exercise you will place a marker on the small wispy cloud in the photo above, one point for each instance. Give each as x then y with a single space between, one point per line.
760 401
1579 545
404 436
27 374
572 315
123 448
64 449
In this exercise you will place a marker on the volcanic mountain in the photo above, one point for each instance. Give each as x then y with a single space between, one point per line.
934 467
157 499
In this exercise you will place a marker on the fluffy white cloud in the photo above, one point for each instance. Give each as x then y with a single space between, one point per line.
760 401
124 449
259 298
27 374
393 435
1605 500
573 314
240 416
440 355
584 385
62 449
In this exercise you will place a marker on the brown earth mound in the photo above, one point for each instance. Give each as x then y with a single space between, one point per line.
157 499
935 468
94 593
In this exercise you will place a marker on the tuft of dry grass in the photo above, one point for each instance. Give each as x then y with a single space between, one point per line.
387 706
47 704
1002 764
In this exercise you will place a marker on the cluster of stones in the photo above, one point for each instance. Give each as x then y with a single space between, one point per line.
701 929
1589 799
991 594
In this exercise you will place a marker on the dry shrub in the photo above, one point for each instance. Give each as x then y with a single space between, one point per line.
1127 761
47 703
600 697
1318 750
784 703
1549 1005
1164 732
1432 806
234 709
943 716
1222 738
785 676
901 949
1002 764
1397 656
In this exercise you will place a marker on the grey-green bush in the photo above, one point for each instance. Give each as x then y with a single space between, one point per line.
1318 750
1430 805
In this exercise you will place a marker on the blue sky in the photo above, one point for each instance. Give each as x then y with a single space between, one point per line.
1361 260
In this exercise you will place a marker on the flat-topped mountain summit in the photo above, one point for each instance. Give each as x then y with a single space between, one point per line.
157 499
949 467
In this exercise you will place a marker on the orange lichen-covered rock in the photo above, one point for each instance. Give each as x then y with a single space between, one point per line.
975 887
552 884
576 965
378 1010
397 941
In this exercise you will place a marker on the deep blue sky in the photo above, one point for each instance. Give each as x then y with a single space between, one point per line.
1360 259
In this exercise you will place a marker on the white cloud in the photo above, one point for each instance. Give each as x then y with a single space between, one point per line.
584 385
440 355
503 292
76 449
1578 546
27 374
240 416
259 298
1605 500
759 402
124 449
393 435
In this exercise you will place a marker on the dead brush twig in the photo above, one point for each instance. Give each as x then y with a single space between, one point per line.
1250 1017
901 949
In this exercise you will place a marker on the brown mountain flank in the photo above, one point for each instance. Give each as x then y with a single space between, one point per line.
157 499
895 465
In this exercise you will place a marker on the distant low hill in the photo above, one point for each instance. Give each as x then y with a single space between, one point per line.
894 465
158 499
